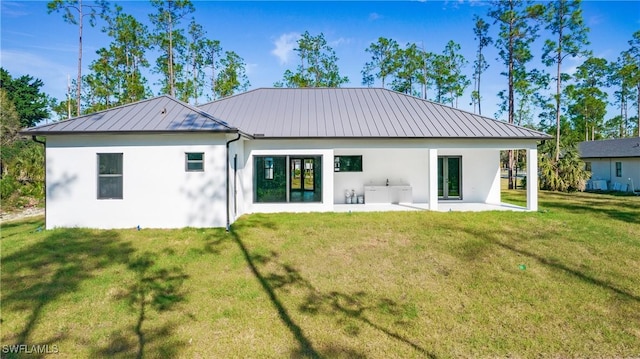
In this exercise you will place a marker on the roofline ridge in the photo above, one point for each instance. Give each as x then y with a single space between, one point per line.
465 111
203 113
232 96
98 112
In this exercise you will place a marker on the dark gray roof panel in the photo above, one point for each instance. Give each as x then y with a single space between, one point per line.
354 112
160 114
621 147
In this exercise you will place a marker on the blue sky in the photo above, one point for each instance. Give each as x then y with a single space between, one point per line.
264 34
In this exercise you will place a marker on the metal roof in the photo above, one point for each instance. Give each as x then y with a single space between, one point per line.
621 147
159 114
354 112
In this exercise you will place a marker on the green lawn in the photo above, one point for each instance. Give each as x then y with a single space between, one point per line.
562 282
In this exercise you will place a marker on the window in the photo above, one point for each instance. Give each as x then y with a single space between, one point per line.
109 175
271 183
347 164
268 168
282 179
194 161
618 169
587 166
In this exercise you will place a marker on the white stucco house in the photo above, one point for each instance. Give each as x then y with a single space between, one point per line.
161 163
614 164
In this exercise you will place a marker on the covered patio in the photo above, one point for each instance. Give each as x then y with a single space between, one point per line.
443 206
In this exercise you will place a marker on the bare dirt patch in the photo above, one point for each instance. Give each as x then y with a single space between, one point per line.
21 214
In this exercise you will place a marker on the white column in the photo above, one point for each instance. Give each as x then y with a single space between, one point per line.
532 179
433 179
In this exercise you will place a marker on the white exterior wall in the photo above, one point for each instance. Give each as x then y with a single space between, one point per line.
402 166
401 161
290 148
157 191
480 174
605 169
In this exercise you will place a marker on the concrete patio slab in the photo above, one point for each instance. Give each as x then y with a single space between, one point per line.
446 206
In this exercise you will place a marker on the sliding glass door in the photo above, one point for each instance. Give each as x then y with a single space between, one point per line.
287 179
449 177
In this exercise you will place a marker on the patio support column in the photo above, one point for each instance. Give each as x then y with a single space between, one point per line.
433 179
532 179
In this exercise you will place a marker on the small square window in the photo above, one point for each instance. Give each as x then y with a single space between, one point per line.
618 169
587 166
194 161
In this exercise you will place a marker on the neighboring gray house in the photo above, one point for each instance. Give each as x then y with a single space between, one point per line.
165 164
614 164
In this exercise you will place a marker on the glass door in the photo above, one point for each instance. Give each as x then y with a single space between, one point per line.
302 180
449 177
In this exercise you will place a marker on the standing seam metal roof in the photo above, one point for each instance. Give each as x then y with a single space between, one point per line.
355 112
159 114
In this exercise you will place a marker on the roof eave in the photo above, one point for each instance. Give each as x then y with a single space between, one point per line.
53 133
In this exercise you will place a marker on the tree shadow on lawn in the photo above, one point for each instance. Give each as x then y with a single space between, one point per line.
335 304
43 273
491 237
34 225
156 289
626 209
595 208
40 274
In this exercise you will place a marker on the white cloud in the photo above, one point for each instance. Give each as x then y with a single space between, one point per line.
250 68
52 74
284 46
12 9
374 16
339 41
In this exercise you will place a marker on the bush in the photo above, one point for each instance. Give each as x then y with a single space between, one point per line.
22 175
568 174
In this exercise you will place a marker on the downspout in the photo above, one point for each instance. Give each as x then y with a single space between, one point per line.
44 145
227 195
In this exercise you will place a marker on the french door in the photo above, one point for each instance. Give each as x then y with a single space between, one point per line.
301 179
449 177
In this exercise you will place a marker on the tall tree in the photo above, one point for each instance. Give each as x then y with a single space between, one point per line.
197 59
632 58
102 83
169 38
456 82
480 64
516 33
383 55
9 120
318 65
116 76
25 93
407 66
214 52
74 13
563 19
232 77
129 45
588 101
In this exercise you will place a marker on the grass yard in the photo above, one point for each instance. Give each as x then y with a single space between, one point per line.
562 282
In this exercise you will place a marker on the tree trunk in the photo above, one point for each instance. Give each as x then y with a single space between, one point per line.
79 79
170 58
510 102
558 88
